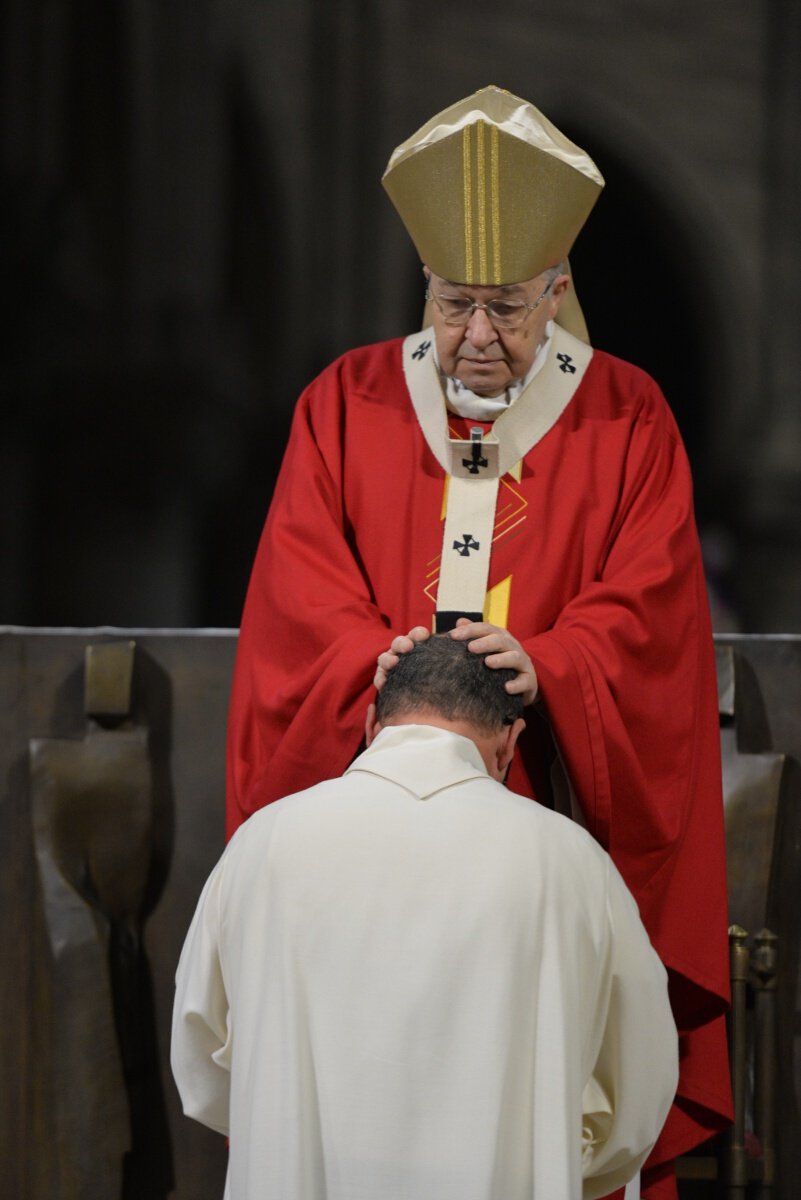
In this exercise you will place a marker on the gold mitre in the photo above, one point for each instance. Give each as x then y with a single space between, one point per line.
490 191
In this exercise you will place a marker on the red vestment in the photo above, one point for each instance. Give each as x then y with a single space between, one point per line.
607 595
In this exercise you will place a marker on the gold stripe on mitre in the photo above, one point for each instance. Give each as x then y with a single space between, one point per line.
482 201
490 191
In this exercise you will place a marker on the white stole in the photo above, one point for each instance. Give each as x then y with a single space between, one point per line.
475 468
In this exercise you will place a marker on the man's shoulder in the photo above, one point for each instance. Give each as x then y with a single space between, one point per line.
613 389
253 840
308 827
362 363
261 822
365 376
609 366
546 823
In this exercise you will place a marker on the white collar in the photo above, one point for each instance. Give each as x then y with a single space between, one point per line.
464 403
424 759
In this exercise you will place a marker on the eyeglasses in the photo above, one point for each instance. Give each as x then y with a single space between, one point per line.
504 314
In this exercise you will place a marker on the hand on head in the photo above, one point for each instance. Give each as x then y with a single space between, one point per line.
440 681
502 648
401 644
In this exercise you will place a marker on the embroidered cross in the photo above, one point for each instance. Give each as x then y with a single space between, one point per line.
467 544
422 350
566 364
477 461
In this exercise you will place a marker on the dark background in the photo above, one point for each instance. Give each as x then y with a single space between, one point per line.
193 225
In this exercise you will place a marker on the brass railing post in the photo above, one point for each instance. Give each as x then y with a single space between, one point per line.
763 965
736 1159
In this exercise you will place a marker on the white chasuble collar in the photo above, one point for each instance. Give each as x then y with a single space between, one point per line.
423 759
476 467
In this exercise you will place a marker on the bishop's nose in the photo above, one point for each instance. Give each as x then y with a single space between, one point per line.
480 330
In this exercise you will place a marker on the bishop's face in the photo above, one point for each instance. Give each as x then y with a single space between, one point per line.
484 357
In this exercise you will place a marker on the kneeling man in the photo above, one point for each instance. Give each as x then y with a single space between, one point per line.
412 984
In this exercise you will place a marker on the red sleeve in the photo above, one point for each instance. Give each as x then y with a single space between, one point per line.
310 632
627 677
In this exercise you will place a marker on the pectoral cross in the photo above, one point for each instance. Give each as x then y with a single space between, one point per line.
477 461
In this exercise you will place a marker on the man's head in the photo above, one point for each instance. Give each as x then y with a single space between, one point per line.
442 682
493 196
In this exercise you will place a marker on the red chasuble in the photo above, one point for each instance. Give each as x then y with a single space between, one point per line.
595 562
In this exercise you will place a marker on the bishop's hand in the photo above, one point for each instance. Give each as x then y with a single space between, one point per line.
401 644
502 650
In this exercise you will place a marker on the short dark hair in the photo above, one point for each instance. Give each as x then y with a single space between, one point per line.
443 676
